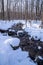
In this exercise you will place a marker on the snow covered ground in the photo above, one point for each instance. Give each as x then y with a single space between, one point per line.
6 24
32 28
17 57
10 57
36 33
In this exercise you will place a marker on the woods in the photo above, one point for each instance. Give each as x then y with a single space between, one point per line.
19 9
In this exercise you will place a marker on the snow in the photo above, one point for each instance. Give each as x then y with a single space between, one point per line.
39 47
41 58
41 34
35 23
13 41
12 30
17 57
26 62
20 31
11 57
35 33
5 25
32 28
27 29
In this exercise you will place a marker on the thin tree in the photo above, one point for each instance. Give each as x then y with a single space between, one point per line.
26 11
37 9
32 7
3 9
21 9
42 11
0 9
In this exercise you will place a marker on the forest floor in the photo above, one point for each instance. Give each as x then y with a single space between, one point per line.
20 44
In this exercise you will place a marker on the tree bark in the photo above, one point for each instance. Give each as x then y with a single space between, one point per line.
3 9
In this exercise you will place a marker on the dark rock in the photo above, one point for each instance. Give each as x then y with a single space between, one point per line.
39 61
3 31
17 27
11 32
33 58
21 33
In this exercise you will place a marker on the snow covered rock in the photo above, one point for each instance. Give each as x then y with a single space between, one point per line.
39 47
35 34
21 33
40 57
11 32
13 41
28 30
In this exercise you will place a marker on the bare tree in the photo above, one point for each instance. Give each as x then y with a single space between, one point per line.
37 9
3 9
32 7
0 9
21 9
8 16
26 11
42 11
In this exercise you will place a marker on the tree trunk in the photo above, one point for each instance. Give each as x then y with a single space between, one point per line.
3 9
